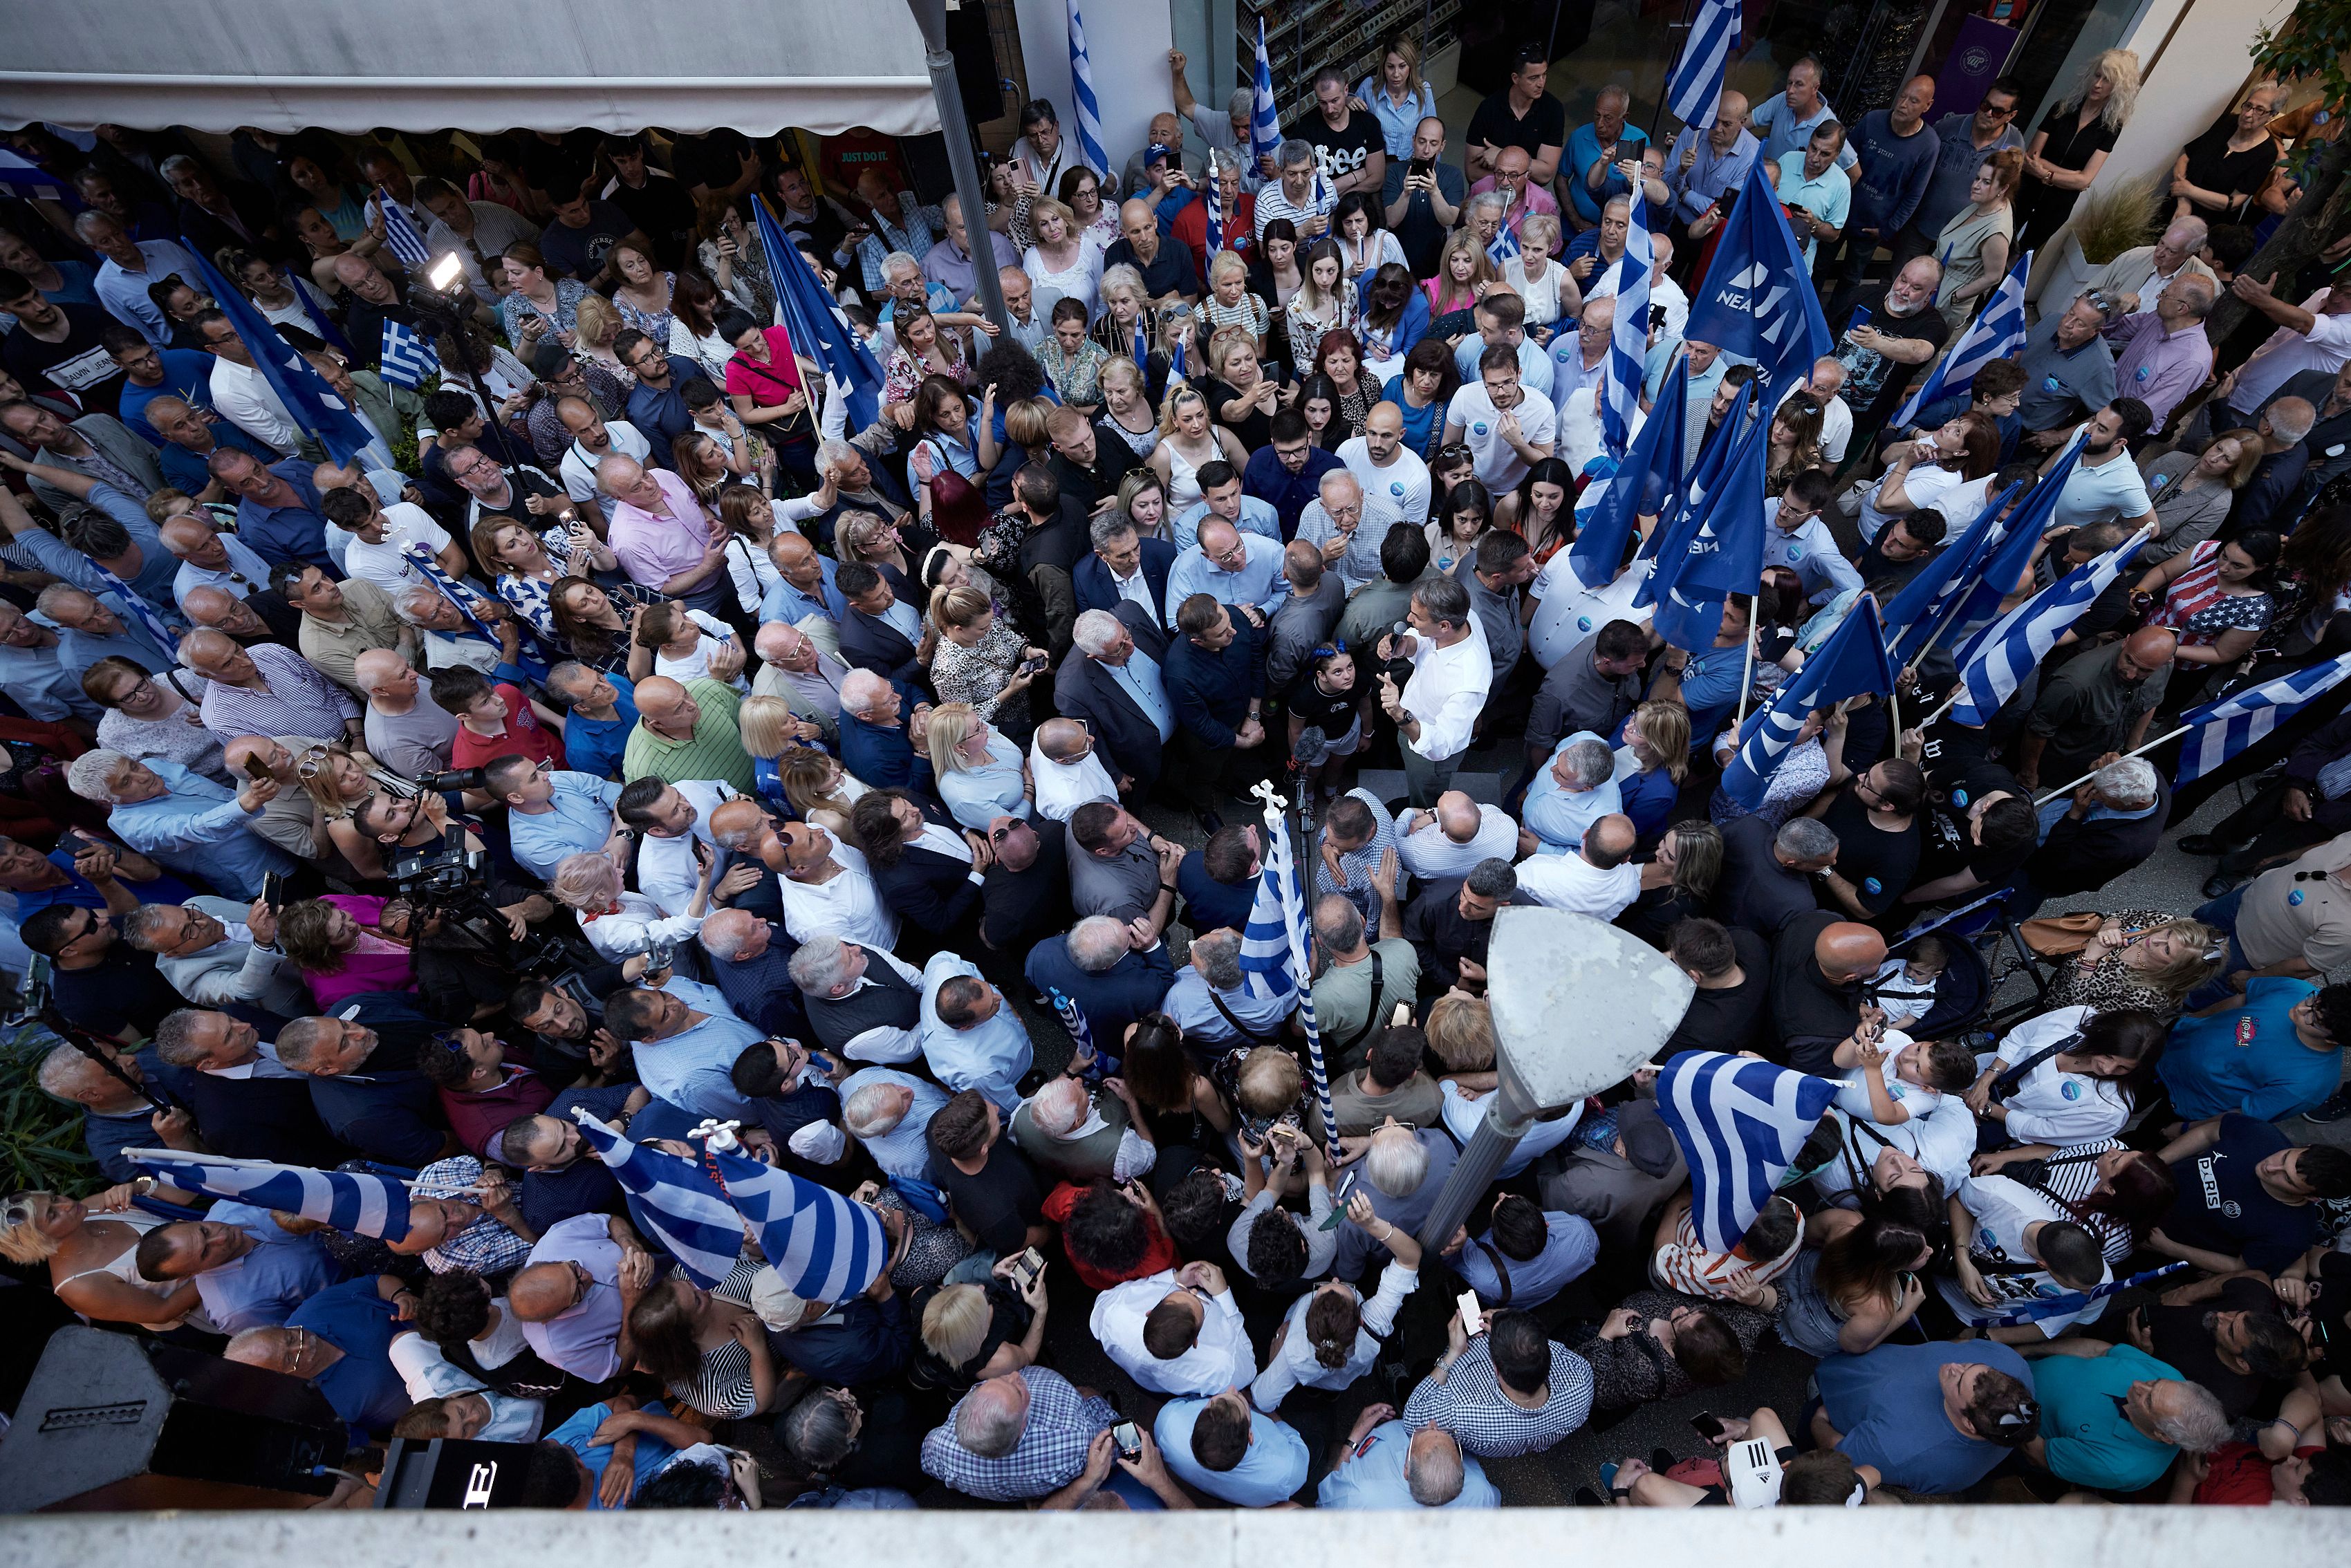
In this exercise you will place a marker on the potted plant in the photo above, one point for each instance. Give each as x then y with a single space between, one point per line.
2106 222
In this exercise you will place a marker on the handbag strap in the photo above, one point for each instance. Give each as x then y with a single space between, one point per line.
1234 1018
1371 1009
2006 1083
1502 1270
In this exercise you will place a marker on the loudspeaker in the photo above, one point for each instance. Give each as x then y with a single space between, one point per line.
451 1473
109 1423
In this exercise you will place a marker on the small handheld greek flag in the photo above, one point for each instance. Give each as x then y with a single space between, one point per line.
400 235
1997 334
1216 214
407 358
2243 718
1505 246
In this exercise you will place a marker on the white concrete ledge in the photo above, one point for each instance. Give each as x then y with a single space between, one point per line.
1981 1537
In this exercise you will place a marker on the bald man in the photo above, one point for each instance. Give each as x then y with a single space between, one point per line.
2097 703
1818 967
1166 268
1709 165
660 536
1395 479
686 730
806 677
1897 150
1451 839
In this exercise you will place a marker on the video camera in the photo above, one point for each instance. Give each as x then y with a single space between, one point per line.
449 885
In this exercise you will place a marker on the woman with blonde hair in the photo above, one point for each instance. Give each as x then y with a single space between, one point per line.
1652 764
1548 288
1067 258
2193 492
91 1247
981 774
1678 884
2146 960
974 1331
821 790
1464 275
1243 401
980 659
1462 1036
2066 153
617 923
770 731
528 564
1188 443
596 324
1126 410
337 782
1230 305
1973 246
1399 98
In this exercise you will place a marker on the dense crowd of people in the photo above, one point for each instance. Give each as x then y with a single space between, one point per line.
628 735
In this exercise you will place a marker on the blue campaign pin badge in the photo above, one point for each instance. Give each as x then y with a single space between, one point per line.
2294 897
1395 488
2141 374
1478 428
2072 1091
2051 383
1872 887
1583 623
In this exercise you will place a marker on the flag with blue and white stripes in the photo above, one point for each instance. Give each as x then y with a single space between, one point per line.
1274 962
1996 333
1081 90
1629 343
400 235
824 1248
1695 85
1978 600
1917 614
408 359
1740 1123
2227 727
1995 662
352 1201
673 1199
1265 115
1852 661
1505 246
1646 483
815 327
1216 214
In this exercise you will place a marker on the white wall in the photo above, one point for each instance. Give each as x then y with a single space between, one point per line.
1127 42
2202 68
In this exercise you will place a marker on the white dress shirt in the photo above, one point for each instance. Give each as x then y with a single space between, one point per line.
1219 1359
1294 1362
991 1056
243 398
666 870
849 907
430 1374
1430 855
1447 691
1064 786
634 927
387 564
1573 882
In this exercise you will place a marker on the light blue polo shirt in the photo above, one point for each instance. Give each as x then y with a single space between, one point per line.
1828 198
1272 1469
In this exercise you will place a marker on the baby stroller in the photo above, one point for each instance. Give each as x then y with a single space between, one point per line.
1964 993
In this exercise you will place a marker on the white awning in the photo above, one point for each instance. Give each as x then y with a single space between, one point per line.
472 65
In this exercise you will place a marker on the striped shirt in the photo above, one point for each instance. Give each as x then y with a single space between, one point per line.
1470 1404
296 700
2068 1176
1689 1265
714 751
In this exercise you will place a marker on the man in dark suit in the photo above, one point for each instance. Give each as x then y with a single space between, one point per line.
2115 823
875 722
361 1063
879 634
928 870
1097 964
1087 461
245 1105
851 484
1122 566
2286 815
1215 678
1114 681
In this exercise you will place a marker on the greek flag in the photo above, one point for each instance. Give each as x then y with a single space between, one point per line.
1996 334
1273 947
1644 484
2240 719
351 1201
673 1199
1265 117
1695 87
138 609
1504 248
1919 613
1852 661
407 358
1080 1028
2075 1300
1739 1122
1081 90
1998 658
1216 214
400 235
814 325
1628 344
825 1248
1978 601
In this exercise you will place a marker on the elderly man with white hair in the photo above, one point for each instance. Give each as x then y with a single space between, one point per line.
220 610
266 690
878 735
805 677
447 637
1082 1135
1211 1005
1177 1332
1575 792
184 820
970 1036
87 631
215 951
1451 839
1065 768
1017 1437
1111 971
886 1111
750 963
847 481
1403 1171
862 1001
1336 522
2134 279
2109 824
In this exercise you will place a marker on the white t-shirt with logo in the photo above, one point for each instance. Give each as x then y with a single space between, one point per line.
2004 1208
1568 614
1400 490
1500 467
387 564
